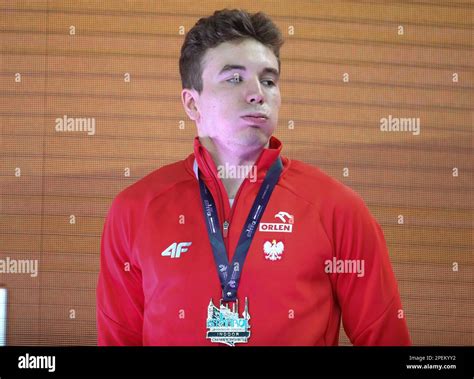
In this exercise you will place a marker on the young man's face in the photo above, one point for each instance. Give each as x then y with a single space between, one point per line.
230 94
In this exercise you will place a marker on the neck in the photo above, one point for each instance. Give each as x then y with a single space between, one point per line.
225 158
222 155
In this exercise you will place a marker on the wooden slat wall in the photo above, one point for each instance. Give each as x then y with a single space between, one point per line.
336 126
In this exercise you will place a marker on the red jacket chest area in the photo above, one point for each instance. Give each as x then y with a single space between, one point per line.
283 276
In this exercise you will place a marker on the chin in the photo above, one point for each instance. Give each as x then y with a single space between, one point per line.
252 138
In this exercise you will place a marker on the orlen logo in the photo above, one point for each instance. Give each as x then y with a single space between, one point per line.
175 249
285 227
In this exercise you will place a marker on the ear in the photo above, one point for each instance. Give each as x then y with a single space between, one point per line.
189 99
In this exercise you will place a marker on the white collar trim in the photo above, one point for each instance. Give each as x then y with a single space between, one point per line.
195 169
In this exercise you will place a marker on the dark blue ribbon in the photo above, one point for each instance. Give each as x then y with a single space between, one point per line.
229 275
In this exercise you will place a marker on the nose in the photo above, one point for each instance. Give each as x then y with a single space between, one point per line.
255 94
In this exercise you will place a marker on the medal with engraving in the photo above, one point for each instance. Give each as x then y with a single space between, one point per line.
223 323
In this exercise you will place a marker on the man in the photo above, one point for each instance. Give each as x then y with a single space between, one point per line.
194 254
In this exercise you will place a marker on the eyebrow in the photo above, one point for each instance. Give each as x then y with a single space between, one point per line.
266 70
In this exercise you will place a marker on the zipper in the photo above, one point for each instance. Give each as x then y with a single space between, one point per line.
226 224
225 228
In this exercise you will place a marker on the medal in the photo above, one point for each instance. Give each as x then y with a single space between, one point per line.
224 324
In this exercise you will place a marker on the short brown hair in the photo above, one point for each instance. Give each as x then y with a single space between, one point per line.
223 26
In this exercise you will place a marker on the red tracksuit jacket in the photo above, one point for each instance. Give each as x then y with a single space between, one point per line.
152 292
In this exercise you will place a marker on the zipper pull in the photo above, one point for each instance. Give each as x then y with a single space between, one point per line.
225 228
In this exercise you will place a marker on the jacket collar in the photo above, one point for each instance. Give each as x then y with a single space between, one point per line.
203 160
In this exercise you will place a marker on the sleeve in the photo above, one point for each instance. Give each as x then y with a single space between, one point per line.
119 288
369 298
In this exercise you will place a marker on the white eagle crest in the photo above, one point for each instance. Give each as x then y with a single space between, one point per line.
273 250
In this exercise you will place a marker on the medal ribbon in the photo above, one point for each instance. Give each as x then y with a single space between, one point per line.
229 275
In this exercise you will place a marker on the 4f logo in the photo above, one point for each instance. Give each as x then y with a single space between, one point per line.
175 249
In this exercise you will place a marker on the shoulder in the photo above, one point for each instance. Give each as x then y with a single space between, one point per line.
317 187
136 197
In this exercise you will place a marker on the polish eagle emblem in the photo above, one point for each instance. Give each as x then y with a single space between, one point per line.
273 250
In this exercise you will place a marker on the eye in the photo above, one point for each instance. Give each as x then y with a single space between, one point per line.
235 79
271 83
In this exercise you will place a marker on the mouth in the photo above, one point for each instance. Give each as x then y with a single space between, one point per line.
256 118
257 115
